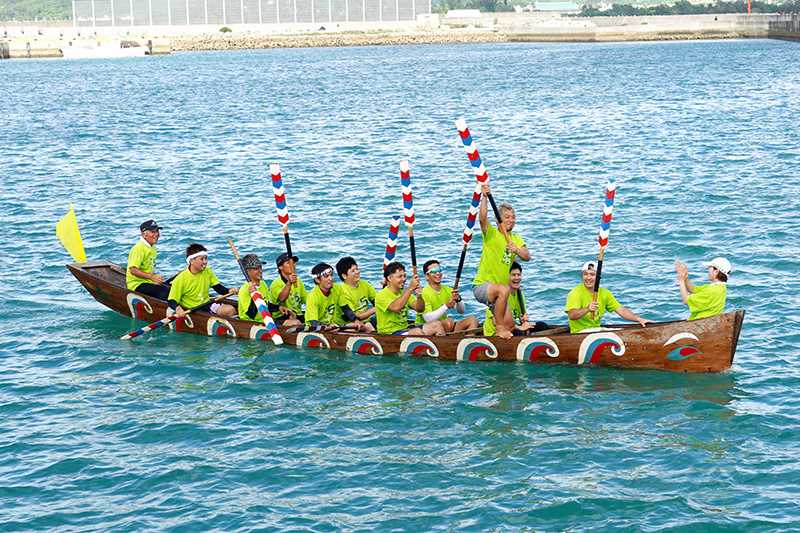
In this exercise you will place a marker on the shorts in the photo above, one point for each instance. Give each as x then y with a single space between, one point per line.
401 332
481 293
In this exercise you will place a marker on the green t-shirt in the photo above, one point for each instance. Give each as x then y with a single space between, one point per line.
245 300
433 301
143 257
324 308
191 290
389 321
496 260
580 297
357 299
295 301
489 328
707 300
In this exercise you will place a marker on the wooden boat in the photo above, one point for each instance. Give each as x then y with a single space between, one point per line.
705 345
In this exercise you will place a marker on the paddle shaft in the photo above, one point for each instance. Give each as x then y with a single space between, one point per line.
289 250
497 217
413 249
597 278
239 260
460 266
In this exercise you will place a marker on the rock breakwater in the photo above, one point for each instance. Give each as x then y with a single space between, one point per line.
253 41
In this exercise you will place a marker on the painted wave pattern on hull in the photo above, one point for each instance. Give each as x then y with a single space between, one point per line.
682 352
529 350
180 325
594 345
312 340
219 327
138 306
472 349
419 346
365 345
259 333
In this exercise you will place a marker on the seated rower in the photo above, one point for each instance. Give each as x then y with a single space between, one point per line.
357 294
516 303
705 300
323 304
439 298
247 308
288 291
393 301
190 287
580 303
141 272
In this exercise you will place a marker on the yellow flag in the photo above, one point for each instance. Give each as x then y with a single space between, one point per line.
67 231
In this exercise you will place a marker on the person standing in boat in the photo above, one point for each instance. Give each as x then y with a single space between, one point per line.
516 302
705 300
288 290
490 285
141 272
394 300
439 298
581 304
190 288
247 308
357 294
323 305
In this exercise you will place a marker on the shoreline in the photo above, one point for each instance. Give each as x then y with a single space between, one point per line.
257 41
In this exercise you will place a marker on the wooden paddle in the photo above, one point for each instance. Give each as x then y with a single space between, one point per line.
169 319
468 229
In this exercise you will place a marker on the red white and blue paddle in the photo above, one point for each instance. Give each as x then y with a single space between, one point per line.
469 227
281 208
391 242
479 170
263 310
408 209
169 319
605 229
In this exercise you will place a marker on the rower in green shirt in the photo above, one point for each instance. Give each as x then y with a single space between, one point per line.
190 287
288 290
247 308
705 300
357 294
490 286
516 302
439 298
141 272
393 302
580 303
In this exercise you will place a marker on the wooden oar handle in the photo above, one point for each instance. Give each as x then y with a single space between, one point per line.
497 217
597 278
238 260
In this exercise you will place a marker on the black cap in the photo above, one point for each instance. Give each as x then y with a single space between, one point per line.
149 225
285 257
251 261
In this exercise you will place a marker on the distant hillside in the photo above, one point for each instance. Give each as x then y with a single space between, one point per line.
35 9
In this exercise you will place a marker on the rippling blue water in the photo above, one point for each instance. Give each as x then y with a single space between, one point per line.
174 432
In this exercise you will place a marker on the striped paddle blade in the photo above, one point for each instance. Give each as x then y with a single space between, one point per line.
472 151
263 310
280 194
473 213
151 327
608 208
391 242
408 198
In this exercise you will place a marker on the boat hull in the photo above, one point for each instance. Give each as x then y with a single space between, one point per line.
705 345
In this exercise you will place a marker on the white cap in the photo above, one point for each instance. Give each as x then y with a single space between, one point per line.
589 265
721 264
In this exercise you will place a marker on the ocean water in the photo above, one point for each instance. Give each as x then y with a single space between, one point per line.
175 432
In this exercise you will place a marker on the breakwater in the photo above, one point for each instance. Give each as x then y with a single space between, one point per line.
234 41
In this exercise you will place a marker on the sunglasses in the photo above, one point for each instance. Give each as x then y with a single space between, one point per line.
434 270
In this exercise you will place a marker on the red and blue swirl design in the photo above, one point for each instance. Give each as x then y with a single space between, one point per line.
367 346
473 350
418 347
221 329
684 352
535 349
312 340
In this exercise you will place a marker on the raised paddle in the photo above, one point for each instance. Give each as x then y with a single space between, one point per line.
169 319
468 228
308 329
263 310
479 170
605 229
282 209
391 242
408 209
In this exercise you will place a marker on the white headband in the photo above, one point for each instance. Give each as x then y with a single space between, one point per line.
198 254
323 273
